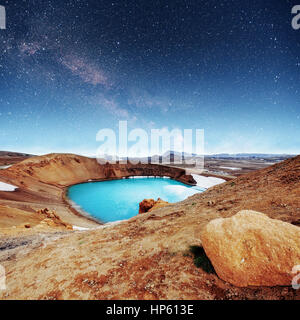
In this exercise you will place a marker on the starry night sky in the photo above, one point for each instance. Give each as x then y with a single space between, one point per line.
71 68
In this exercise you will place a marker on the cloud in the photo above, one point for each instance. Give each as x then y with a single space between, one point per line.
142 99
29 48
111 106
88 72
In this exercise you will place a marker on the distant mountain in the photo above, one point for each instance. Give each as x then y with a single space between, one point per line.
8 157
14 154
168 157
184 155
250 156
174 157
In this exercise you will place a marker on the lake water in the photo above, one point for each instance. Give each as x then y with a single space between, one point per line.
116 200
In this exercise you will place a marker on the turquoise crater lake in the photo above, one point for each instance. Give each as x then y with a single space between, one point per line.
116 200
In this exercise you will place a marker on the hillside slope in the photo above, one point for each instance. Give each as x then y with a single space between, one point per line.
146 257
61 170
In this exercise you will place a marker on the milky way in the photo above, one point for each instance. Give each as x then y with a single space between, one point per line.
70 68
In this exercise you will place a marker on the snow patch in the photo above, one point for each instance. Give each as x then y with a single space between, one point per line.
181 191
207 182
146 177
4 167
7 187
138 177
80 228
231 168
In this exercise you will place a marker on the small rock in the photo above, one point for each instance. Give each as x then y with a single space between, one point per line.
148 205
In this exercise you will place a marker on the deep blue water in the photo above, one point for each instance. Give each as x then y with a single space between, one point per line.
116 200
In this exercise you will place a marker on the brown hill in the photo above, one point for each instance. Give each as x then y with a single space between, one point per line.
147 256
61 170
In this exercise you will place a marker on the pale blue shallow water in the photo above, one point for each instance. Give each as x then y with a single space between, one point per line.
116 200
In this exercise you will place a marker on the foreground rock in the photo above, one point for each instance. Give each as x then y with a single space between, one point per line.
52 219
250 249
149 205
